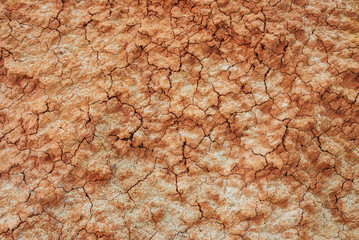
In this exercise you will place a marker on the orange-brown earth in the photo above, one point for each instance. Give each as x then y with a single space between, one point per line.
198 119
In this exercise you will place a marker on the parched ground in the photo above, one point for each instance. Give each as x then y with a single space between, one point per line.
188 119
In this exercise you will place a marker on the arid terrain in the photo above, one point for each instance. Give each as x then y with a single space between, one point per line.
179 119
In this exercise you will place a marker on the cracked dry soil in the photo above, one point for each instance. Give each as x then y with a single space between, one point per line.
193 119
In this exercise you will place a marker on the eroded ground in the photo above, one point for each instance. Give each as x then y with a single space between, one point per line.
179 119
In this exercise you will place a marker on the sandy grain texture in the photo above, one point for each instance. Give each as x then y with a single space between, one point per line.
198 119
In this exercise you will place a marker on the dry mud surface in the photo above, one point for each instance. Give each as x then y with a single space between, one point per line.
198 119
